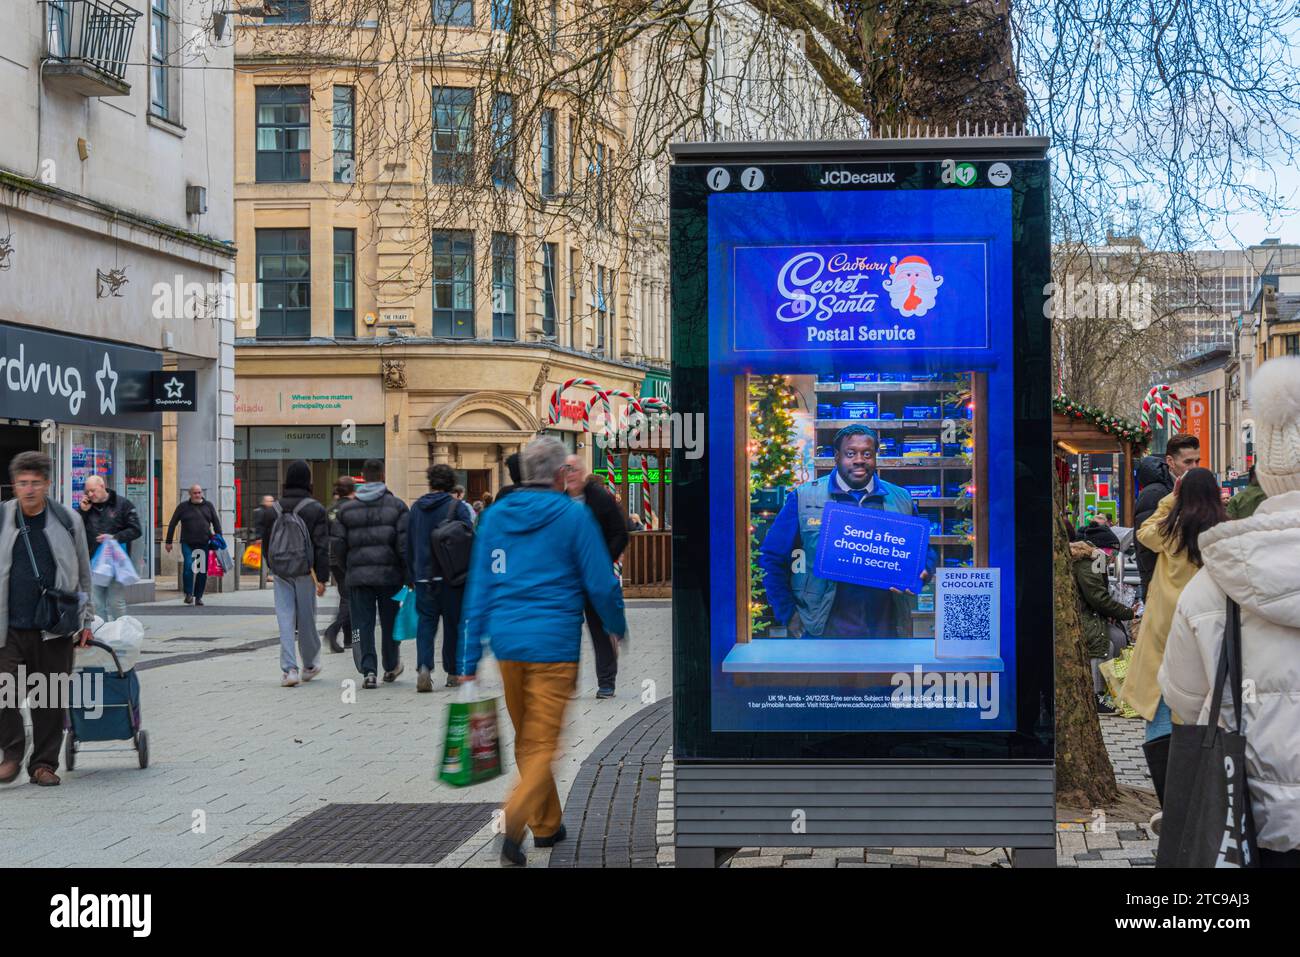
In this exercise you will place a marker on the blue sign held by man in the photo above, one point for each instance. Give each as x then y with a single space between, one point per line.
866 546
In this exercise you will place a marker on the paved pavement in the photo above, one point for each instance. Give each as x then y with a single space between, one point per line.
1096 842
236 758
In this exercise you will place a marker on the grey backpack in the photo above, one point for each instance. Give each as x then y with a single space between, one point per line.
289 548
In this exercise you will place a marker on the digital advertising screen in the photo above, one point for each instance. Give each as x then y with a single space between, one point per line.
867 350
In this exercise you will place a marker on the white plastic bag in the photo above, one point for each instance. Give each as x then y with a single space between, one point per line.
101 565
123 568
111 563
125 636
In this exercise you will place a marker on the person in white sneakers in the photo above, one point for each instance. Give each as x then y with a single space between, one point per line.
296 544
1254 561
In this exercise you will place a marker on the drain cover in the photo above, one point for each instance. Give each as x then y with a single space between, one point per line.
371 834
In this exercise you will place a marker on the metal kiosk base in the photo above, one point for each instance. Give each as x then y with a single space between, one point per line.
723 807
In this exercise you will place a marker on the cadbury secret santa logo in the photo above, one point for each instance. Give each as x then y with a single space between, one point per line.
815 286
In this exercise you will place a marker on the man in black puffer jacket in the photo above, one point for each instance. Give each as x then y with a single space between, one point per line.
370 544
296 589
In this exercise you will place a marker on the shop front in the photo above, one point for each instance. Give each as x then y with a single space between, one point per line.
334 424
88 405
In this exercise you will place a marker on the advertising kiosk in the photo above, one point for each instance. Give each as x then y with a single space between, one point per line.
862 557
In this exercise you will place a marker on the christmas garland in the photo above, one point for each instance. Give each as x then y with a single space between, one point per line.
1121 428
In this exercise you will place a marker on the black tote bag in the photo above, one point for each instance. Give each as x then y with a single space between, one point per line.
1207 820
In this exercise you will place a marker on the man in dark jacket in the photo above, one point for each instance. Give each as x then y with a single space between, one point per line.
301 570
107 515
199 522
613 529
435 598
512 466
1156 476
339 631
371 546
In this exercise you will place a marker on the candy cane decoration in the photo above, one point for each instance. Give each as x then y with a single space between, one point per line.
1162 398
555 396
650 405
603 396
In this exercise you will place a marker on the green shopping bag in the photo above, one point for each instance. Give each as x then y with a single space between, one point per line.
472 751
407 623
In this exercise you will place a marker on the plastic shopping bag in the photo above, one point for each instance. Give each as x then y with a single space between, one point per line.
111 563
472 750
1114 672
214 566
217 545
125 636
123 568
101 565
408 619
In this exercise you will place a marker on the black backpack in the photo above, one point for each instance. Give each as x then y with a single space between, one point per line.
450 544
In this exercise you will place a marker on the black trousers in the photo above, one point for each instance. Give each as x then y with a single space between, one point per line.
51 658
606 659
342 623
365 603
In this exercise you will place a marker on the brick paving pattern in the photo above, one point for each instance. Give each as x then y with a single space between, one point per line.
1094 843
611 811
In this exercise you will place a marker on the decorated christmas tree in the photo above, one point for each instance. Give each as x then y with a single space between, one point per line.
772 456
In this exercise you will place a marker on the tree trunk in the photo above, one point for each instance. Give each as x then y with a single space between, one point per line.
942 64
1084 776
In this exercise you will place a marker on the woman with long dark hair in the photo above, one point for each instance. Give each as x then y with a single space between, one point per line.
1172 532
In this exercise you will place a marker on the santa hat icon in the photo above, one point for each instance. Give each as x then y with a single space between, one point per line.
906 260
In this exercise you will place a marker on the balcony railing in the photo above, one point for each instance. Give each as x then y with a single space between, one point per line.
88 45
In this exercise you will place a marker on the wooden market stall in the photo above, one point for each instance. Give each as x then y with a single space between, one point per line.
1082 430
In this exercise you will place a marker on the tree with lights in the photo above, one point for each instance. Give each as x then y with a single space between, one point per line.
772 457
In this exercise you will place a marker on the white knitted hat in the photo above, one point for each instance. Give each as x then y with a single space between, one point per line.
1275 399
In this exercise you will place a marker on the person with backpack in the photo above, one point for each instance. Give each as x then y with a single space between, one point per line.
441 535
296 547
371 546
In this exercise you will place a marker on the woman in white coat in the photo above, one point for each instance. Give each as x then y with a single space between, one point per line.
1256 562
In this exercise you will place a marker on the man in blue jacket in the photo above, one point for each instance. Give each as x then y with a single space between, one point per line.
817 607
538 558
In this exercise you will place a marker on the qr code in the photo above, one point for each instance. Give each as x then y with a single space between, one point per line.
966 617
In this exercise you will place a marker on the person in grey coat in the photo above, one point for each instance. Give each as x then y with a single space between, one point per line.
42 545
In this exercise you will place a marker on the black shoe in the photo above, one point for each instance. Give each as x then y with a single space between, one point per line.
391 676
189 599
512 855
551 841
369 681
453 681
607 692
332 639
198 601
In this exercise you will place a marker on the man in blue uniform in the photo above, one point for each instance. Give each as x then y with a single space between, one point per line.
817 607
